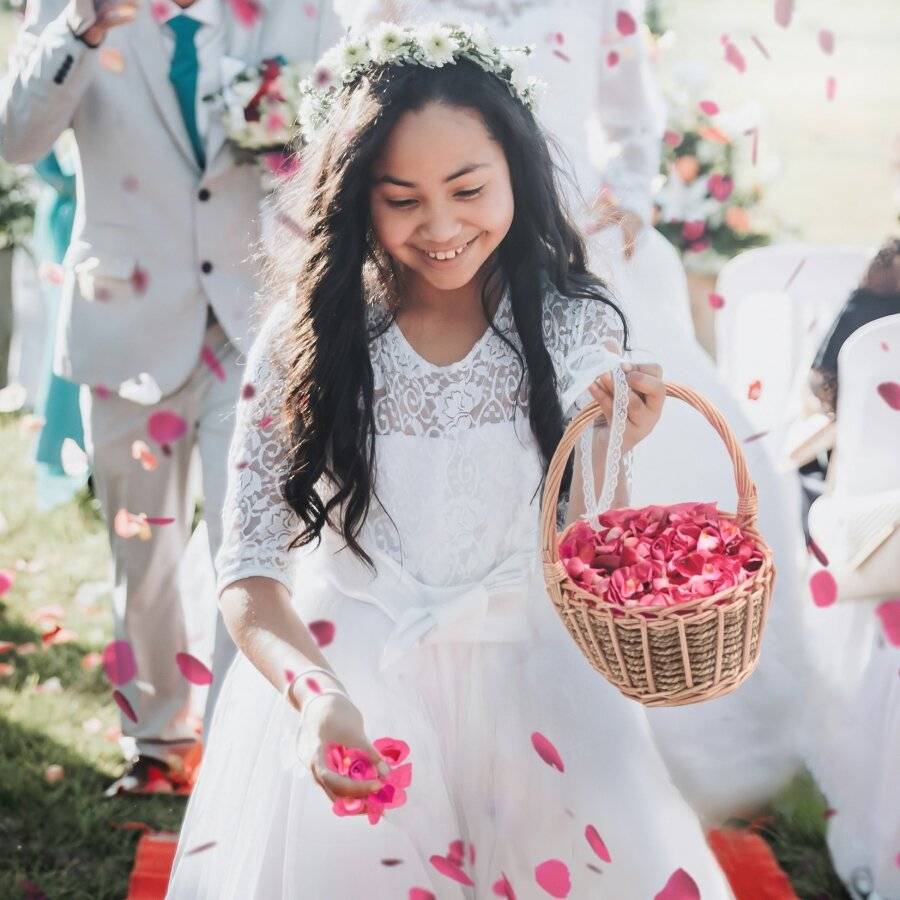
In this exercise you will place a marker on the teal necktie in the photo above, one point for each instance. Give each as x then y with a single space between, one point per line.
183 74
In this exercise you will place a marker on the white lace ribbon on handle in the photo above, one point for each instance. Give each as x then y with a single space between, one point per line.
593 506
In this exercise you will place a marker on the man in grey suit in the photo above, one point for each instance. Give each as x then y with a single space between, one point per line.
158 292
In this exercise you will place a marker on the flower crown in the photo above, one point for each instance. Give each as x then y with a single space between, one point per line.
431 46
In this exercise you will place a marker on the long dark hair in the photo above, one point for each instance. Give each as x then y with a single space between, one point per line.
327 410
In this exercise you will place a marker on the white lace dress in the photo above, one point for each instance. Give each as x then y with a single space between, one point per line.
454 648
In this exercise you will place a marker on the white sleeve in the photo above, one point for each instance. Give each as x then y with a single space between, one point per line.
630 114
258 524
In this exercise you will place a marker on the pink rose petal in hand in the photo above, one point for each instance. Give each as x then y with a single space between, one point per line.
596 843
889 613
680 886
823 588
553 876
547 752
124 705
192 669
889 391
119 663
322 631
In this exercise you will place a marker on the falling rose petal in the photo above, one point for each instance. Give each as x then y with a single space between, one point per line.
596 843
710 107
192 669
418 893
124 705
754 151
248 391
313 685
760 46
200 848
323 631
160 10
112 60
450 870
673 138
160 520
553 876
502 888
889 613
823 588
391 862
830 88
310 10
754 391
885 346
560 55
119 662
245 11
889 391
209 357
733 55
784 11
130 184
139 279
829 813
547 752
716 301
817 552
166 427
625 23
680 886
612 59
826 40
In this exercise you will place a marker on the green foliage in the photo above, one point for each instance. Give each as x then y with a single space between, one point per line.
16 206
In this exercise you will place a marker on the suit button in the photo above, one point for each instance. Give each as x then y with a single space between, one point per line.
206 267
203 195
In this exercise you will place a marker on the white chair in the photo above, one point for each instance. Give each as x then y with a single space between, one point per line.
868 428
779 303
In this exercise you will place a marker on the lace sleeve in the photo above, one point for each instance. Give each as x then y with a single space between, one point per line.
258 524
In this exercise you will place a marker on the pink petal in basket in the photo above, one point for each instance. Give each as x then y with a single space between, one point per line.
124 705
597 844
323 631
192 669
119 663
547 752
449 868
680 886
889 613
553 876
823 588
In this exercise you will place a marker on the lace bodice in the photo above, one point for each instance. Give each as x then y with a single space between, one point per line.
457 467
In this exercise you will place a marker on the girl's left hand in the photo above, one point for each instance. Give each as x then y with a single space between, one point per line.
646 395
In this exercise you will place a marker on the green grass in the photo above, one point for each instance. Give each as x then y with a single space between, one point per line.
62 839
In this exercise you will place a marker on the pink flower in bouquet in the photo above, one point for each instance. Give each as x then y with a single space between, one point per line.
693 231
355 764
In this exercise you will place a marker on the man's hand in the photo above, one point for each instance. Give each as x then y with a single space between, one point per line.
102 16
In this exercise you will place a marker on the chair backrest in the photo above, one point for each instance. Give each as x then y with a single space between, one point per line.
868 427
780 301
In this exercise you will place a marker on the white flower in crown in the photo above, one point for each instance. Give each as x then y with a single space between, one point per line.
480 40
353 54
437 45
386 42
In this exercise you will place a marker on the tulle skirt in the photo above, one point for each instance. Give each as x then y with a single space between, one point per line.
610 822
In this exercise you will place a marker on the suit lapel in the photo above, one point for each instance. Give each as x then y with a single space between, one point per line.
147 43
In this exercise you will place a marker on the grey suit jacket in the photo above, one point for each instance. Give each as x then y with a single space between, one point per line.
155 239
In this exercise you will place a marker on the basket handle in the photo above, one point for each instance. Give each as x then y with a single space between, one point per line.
747 506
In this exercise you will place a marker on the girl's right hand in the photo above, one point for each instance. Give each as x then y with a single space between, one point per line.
334 719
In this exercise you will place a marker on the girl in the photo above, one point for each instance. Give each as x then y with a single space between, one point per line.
400 409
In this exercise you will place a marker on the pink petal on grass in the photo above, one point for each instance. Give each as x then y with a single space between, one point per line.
166 427
323 631
119 663
245 11
553 876
889 391
889 613
823 588
192 669
450 870
124 705
716 301
784 11
547 752
826 40
710 107
625 23
680 886
596 843
208 357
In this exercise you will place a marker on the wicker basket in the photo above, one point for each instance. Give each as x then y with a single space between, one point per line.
664 656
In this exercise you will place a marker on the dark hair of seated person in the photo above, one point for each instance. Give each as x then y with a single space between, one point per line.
877 296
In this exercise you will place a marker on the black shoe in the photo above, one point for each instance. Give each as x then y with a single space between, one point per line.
144 775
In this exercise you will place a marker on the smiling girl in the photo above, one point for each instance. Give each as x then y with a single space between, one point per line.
436 329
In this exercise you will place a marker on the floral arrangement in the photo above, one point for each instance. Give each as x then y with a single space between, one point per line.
701 207
659 556
260 108
355 764
431 45
16 207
